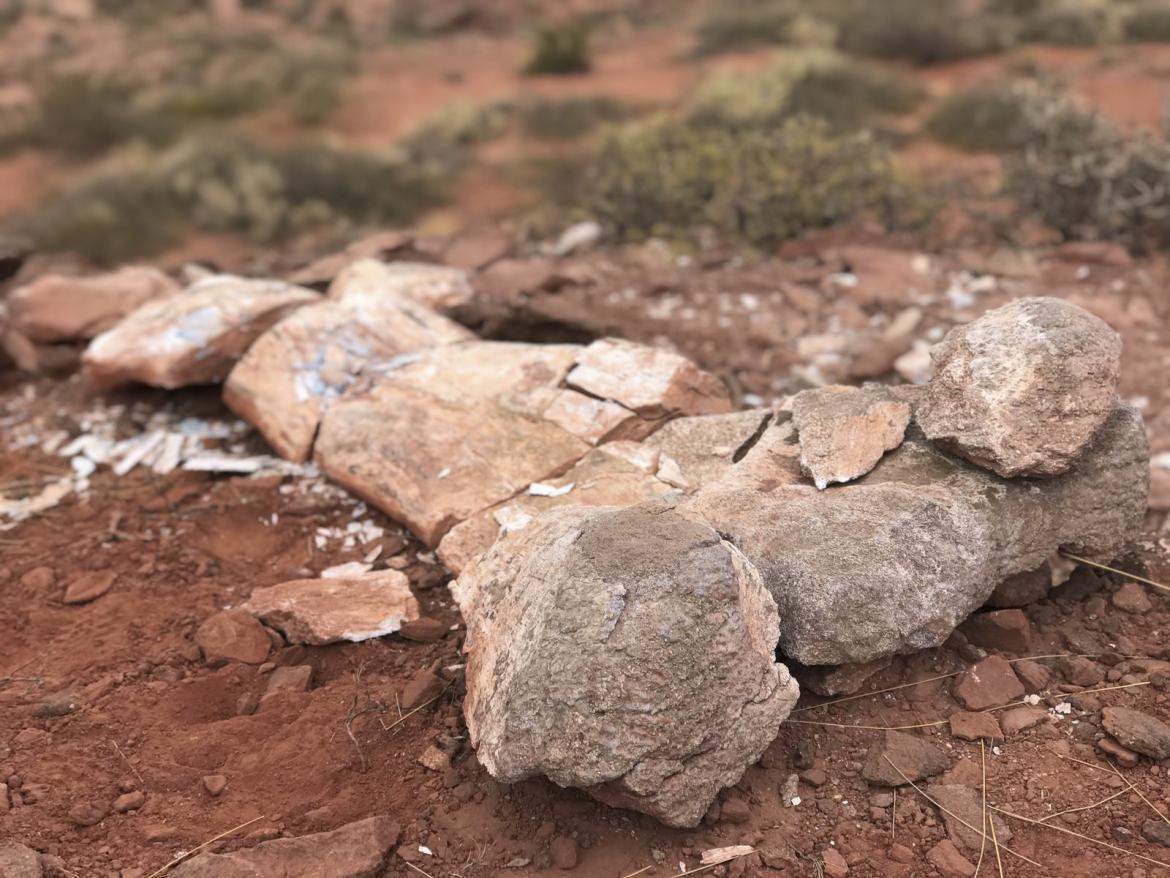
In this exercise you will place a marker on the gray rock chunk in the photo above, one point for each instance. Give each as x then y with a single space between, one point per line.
1023 389
844 431
628 652
900 758
1138 731
962 810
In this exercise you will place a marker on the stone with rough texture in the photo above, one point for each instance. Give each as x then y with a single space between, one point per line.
293 372
989 683
844 431
900 758
832 680
88 587
1132 598
965 805
1021 589
437 287
233 636
18 861
56 308
1138 731
705 447
1023 389
1157 832
973 725
356 850
1004 630
1033 675
945 857
194 337
349 608
629 652
893 562
1021 718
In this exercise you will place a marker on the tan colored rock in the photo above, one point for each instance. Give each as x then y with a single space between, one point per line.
844 431
349 608
628 652
651 382
1023 389
233 636
57 308
194 337
705 447
596 420
296 369
438 287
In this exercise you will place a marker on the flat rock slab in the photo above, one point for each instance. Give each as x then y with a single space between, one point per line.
357 850
1138 731
989 683
59 308
350 608
844 431
89 587
628 652
900 758
1023 389
195 337
965 817
299 367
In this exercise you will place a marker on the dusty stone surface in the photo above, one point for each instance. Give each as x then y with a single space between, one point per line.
844 431
913 755
350 608
1023 389
1033 675
89 587
233 636
1022 589
357 850
300 366
581 621
945 857
57 308
441 288
19 861
194 337
989 683
1003 630
973 725
893 562
705 447
1138 731
966 807
1132 598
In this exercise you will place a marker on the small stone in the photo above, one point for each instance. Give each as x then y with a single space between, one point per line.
424 629
247 704
57 704
965 805
87 813
214 784
945 857
913 755
295 678
434 759
159 833
834 863
88 587
19 861
990 683
974 726
1033 675
1132 598
1004 630
1022 589
1020 718
1156 832
735 810
233 636
563 851
420 689
814 777
130 801
844 431
1138 731
899 853
1080 671
1123 755
39 579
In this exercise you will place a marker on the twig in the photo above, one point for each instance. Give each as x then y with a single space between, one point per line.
639 872
354 712
188 854
1085 807
995 844
983 786
127 761
417 869
918 790
1132 576
411 713
894 816
1095 841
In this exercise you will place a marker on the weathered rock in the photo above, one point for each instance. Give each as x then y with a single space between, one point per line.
1157 832
194 337
844 431
894 561
1132 598
233 636
705 447
971 726
16 860
437 287
56 308
1138 731
87 813
945 857
351 608
1020 718
989 683
1004 630
420 688
1023 389
965 805
833 863
131 801
357 850
296 369
1080 670
832 680
1022 589
89 586
899 758
1033 675
628 652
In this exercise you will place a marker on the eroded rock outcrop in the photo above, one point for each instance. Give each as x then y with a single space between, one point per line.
628 652
1023 389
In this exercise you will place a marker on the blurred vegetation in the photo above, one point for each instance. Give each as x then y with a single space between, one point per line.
762 185
221 183
1149 23
740 25
920 31
987 118
560 49
571 118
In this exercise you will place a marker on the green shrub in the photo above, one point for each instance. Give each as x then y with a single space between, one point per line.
1149 23
1075 23
668 177
741 25
1092 180
560 49
86 117
569 119
988 118
920 31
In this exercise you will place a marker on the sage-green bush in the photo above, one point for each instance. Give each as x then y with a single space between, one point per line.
987 118
1149 23
560 49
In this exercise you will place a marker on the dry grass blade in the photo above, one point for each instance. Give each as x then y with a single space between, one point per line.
983 788
1095 841
417 869
129 764
708 867
639 872
411 713
1085 807
1132 576
920 792
995 844
186 855
1141 795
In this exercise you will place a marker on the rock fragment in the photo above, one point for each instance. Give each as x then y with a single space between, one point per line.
89 586
1138 731
1004 630
194 337
1023 389
989 683
1020 718
59 308
973 726
965 805
900 758
357 850
233 636
628 652
844 431
1132 598
1022 589
945 857
17 860
437 287
349 608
